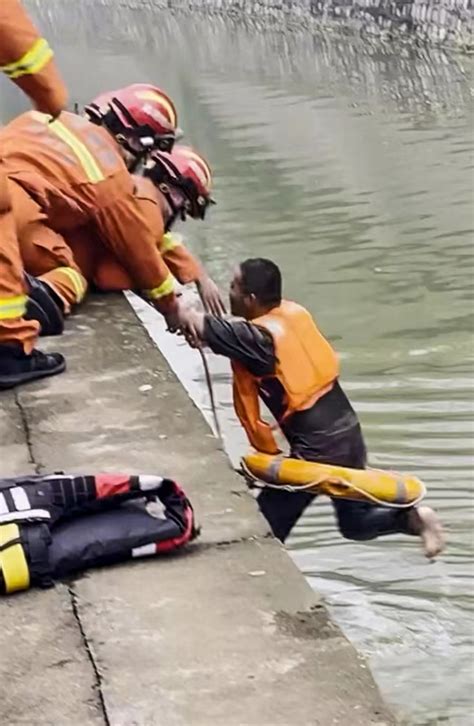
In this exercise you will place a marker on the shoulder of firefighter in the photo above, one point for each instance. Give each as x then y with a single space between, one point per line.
145 189
69 150
27 59
181 262
70 166
132 236
306 367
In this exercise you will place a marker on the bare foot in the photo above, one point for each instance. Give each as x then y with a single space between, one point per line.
426 524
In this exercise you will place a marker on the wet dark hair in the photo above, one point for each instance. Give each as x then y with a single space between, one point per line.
261 278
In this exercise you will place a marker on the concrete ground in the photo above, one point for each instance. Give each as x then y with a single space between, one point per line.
227 633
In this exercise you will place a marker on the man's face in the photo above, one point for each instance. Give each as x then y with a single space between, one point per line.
238 299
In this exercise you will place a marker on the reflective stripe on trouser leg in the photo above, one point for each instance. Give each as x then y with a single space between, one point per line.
68 283
12 308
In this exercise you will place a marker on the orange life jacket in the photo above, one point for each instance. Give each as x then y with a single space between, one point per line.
26 59
306 367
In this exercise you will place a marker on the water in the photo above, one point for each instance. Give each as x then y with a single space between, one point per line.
352 168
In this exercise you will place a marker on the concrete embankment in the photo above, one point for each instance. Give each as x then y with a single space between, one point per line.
438 22
227 633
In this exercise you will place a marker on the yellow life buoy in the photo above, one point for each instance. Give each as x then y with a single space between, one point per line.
387 488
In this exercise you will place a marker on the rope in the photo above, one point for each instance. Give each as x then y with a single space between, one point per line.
303 487
212 399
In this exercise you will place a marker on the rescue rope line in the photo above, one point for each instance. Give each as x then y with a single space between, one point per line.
212 398
303 487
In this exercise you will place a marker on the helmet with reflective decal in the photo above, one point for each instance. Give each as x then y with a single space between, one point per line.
186 171
139 113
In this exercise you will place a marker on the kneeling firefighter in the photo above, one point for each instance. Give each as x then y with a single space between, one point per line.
74 172
52 526
27 59
175 185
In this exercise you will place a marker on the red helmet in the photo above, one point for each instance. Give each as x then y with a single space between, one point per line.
140 112
185 171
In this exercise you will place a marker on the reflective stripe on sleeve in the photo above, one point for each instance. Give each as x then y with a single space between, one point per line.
33 61
169 242
166 288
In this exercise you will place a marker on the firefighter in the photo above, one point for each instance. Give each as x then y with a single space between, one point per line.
27 59
279 354
175 185
73 172
183 184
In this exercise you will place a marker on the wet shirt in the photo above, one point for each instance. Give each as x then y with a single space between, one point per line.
328 431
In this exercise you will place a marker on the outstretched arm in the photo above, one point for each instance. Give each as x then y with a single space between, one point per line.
237 339
187 268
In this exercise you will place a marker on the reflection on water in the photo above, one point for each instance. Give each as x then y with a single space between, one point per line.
352 167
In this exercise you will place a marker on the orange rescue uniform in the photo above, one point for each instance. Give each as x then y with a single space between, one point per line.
101 267
44 252
25 58
306 367
74 171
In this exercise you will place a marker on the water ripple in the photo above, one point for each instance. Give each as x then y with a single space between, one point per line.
352 167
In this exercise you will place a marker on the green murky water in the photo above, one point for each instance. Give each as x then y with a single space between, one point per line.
352 168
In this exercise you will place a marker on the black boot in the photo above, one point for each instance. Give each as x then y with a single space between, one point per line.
44 306
16 367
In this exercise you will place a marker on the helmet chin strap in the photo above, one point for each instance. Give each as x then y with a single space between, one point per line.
175 214
170 222
137 161
139 155
177 211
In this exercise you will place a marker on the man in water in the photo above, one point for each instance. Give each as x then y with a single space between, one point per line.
279 355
